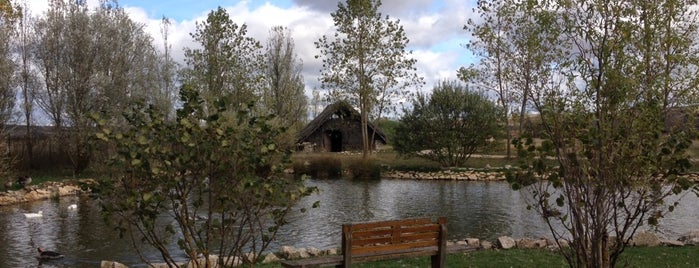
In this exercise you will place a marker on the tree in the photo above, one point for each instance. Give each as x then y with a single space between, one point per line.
366 62
167 70
84 70
28 78
449 126
284 95
9 16
516 50
217 179
228 63
608 122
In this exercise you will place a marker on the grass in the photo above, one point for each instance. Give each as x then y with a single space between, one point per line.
654 257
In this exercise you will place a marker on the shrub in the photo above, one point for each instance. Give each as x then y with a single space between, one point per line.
364 169
321 166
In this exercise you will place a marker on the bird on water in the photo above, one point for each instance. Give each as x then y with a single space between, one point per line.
47 254
34 215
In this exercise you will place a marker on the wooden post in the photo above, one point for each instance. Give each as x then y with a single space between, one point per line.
346 246
440 260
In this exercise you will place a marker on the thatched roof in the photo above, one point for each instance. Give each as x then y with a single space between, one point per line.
343 110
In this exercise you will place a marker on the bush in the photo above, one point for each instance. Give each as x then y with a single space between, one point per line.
320 167
364 169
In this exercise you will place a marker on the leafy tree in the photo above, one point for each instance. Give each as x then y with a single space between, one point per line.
27 77
515 49
284 95
229 63
84 70
214 183
366 62
623 72
9 16
448 126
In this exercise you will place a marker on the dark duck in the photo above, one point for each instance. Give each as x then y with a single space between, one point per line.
47 254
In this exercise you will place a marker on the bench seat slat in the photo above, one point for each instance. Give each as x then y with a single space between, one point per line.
389 247
369 225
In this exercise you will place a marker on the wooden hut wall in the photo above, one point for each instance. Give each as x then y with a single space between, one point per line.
351 132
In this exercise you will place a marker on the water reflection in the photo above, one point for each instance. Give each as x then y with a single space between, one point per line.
474 209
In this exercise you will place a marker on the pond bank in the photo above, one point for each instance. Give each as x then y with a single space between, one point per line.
640 239
467 175
45 190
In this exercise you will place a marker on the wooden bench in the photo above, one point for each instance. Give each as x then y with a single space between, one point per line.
383 240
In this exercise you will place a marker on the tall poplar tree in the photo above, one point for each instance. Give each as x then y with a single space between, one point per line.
366 61
284 93
229 63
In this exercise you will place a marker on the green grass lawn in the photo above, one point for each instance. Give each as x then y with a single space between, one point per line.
652 257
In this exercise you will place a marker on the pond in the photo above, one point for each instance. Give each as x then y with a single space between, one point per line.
474 209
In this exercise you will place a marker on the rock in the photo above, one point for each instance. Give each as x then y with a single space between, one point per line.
671 243
250 257
473 242
314 252
450 243
645 239
691 238
461 243
563 243
486 245
271 257
529 243
290 253
332 251
506 242
112 264
303 253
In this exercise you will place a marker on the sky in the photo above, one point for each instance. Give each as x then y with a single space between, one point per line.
434 28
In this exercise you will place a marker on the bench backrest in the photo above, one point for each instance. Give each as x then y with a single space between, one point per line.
393 236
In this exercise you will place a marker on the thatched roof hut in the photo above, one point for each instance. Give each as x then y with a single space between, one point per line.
338 128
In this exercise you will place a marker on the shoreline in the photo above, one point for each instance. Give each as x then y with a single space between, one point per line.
45 191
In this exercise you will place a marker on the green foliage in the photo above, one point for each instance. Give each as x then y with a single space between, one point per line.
604 106
449 126
366 62
211 181
229 64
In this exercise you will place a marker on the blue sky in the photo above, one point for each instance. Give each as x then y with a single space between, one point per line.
434 27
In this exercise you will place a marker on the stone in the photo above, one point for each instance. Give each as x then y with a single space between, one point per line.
332 251
290 253
450 243
303 253
271 257
645 239
112 264
314 252
529 243
506 242
486 245
461 243
563 243
473 242
690 238
671 243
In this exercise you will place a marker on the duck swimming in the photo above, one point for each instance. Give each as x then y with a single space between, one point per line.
34 215
47 254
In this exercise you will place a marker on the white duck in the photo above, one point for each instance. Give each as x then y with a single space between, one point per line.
73 207
34 215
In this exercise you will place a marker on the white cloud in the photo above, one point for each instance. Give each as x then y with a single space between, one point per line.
428 24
